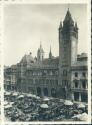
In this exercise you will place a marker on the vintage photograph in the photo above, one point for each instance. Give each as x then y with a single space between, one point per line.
45 62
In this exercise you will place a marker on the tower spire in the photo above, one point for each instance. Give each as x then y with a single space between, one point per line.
68 6
50 53
50 48
40 44
68 18
40 53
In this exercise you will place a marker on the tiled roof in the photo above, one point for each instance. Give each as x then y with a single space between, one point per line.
53 61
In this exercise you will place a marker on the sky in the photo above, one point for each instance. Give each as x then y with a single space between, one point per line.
26 25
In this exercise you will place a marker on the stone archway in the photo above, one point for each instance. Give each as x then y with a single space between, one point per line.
53 92
39 91
45 91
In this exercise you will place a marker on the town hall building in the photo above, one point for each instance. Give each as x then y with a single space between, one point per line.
64 76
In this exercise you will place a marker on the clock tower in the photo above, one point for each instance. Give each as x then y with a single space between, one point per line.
68 44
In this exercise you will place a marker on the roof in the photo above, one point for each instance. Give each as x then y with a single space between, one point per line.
14 66
27 59
80 63
47 62
52 61
68 17
82 55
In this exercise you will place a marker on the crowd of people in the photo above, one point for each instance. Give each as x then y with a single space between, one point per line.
28 107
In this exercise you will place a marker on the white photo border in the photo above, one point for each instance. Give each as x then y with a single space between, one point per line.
5 2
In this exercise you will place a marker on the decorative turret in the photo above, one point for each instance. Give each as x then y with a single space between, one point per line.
60 26
50 53
76 27
40 54
27 59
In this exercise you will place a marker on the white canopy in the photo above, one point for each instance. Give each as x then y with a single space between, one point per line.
46 99
7 93
81 105
68 102
76 116
29 95
61 100
5 103
21 96
8 106
44 106
34 96
82 117
15 94
11 103
38 97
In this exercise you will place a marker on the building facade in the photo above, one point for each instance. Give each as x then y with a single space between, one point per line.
64 76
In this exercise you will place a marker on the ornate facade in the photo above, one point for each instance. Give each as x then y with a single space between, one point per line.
64 76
